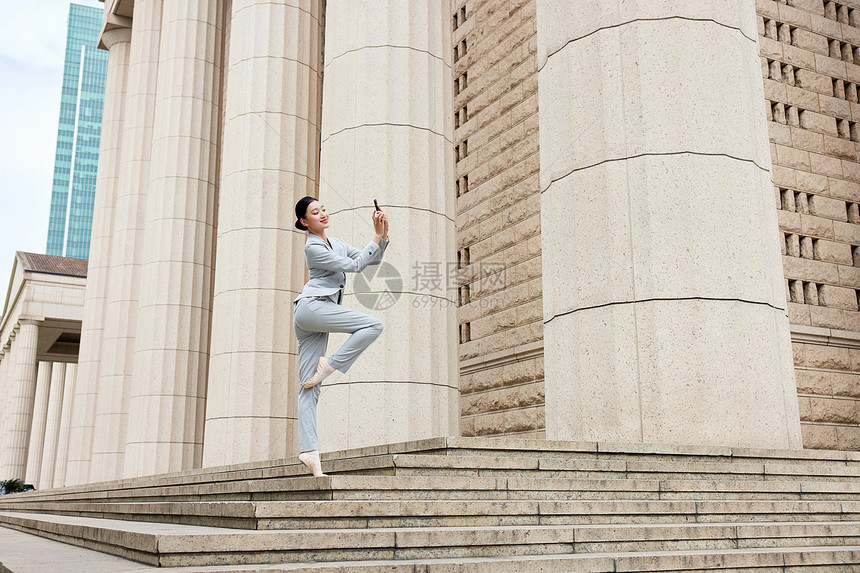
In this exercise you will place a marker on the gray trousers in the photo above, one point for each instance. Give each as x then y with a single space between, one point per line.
313 319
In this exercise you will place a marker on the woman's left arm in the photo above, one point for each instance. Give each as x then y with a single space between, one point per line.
354 253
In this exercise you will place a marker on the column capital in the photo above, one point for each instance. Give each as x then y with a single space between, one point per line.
117 27
28 321
114 36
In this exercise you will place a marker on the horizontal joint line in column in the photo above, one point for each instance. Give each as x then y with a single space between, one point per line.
161 395
413 382
278 4
267 57
172 351
255 169
167 442
258 289
669 153
265 352
621 24
175 136
396 207
168 97
659 299
267 112
250 228
377 46
250 418
389 125
173 305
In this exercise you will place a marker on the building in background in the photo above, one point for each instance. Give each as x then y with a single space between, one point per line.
78 136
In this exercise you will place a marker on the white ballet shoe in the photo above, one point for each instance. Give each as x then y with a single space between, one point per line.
312 461
323 372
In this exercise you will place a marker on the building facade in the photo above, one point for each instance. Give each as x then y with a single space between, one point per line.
807 50
597 233
77 156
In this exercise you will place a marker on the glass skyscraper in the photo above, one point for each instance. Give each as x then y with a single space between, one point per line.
77 155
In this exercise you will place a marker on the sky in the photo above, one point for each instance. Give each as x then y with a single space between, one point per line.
32 50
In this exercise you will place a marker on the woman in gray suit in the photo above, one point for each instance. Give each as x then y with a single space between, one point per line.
317 312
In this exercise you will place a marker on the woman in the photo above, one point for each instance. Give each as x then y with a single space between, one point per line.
317 312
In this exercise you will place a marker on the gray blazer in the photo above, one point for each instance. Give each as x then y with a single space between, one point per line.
328 266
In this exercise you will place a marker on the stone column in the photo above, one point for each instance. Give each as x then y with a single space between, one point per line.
169 388
5 359
37 427
22 393
52 428
271 138
69 371
387 134
664 306
118 41
120 313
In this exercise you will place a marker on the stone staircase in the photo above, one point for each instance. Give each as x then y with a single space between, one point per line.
472 505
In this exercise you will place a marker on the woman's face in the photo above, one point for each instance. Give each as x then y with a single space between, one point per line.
316 218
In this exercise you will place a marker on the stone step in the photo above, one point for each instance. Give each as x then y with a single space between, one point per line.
270 515
180 545
23 553
461 454
356 487
490 466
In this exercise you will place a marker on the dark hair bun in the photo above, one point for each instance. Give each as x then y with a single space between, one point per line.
301 210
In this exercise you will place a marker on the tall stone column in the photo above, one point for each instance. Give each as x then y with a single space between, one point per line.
22 392
39 423
5 359
387 134
7 370
664 306
52 427
270 160
169 388
118 42
120 312
60 465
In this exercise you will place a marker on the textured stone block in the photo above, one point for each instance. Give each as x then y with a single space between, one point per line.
826 207
837 297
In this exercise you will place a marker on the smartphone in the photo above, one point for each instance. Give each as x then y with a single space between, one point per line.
375 204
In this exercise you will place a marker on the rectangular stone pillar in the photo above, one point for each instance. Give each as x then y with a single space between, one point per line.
664 306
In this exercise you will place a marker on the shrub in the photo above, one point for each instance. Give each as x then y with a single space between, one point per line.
11 485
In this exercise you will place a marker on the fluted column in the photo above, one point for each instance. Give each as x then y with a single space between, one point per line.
60 464
664 306
38 425
171 361
118 41
387 134
22 392
52 427
120 313
5 359
271 137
